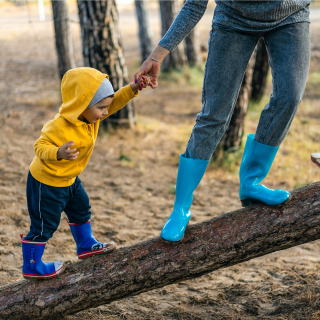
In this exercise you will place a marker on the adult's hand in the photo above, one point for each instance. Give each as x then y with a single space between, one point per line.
152 67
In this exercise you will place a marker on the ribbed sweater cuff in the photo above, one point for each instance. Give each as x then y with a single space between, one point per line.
52 154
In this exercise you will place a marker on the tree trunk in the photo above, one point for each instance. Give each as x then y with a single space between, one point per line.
63 37
145 32
217 243
102 49
260 72
193 48
177 58
233 136
193 53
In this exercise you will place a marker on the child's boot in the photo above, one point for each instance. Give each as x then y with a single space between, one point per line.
256 163
190 173
33 266
87 245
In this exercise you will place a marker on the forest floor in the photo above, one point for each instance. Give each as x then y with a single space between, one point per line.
132 196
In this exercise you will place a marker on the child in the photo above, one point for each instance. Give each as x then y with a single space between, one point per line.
62 152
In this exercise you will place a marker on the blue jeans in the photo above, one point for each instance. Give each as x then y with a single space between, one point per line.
229 51
45 204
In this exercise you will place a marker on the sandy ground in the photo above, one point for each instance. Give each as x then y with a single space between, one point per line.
132 199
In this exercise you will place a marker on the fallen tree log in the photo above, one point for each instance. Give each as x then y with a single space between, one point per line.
217 243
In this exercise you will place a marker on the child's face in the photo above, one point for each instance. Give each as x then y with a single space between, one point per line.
97 111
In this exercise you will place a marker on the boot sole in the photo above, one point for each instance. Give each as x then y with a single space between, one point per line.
45 277
171 242
249 202
110 248
174 242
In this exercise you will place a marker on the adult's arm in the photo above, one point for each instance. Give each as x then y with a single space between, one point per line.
186 20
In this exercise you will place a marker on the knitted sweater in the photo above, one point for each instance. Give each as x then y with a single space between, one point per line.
248 16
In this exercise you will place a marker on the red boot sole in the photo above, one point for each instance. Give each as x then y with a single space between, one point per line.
112 246
44 277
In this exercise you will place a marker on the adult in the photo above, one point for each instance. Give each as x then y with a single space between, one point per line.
236 28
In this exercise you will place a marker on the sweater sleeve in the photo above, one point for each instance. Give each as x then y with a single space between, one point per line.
121 98
47 146
186 20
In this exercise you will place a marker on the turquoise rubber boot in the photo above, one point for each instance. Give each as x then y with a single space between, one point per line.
256 163
190 173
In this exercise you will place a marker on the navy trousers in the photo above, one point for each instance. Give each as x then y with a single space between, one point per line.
46 203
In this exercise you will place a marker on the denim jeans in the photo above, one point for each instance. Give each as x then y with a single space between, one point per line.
229 51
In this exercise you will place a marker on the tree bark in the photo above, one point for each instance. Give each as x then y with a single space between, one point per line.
217 243
102 49
260 72
177 58
232 138
145 32
193 53
63 39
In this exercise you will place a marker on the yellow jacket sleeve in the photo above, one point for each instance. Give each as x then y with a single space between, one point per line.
47 146
121 98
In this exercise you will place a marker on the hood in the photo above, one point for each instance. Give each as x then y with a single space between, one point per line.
78 87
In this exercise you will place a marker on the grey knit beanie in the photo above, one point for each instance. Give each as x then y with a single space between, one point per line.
105 90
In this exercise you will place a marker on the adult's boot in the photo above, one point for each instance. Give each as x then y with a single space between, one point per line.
256 163
33 266
87 245
190 173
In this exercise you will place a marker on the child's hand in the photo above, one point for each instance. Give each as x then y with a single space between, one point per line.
64 152
141 83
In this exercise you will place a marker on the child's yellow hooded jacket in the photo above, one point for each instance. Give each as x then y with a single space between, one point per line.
78 87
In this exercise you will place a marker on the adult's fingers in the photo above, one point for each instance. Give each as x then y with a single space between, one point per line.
139 73
144 69
154 84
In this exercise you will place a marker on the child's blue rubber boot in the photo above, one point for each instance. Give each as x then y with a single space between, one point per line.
190 173
33 266
87 245
256 163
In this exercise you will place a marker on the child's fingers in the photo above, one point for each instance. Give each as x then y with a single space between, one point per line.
144 82
146 79
68 144
72 156
143 85
71 151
